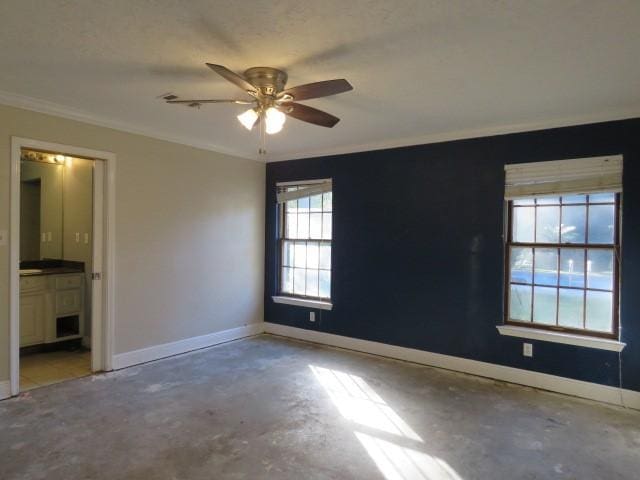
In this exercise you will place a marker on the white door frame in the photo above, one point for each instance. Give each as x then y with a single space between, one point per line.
102 321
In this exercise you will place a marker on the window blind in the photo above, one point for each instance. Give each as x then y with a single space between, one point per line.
304 191
578 175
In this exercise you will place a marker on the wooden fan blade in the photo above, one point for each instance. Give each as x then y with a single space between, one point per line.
232 77
317 89
309 114
190 102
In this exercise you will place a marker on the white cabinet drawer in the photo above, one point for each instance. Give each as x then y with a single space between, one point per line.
68 281
29 284
68 301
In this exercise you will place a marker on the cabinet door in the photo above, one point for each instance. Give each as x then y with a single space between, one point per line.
31 319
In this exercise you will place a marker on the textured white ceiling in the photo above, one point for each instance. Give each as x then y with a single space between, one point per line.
421 69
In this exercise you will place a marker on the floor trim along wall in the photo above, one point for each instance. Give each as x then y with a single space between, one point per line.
135 357
5 389
568 386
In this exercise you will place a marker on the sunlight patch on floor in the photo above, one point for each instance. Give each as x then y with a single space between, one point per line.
359 403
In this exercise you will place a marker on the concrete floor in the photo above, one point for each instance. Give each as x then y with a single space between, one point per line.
267 407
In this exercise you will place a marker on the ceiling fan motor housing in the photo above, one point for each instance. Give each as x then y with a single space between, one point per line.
268 80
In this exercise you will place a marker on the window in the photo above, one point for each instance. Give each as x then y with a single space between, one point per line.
563 246
305 239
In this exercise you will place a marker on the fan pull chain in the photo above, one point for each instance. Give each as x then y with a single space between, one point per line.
262 150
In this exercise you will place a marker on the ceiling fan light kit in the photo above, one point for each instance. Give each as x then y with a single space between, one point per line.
271 102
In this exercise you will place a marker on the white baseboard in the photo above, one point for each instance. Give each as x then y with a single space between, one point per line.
135 357
5 389
568 386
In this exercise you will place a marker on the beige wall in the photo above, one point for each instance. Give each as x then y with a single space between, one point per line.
189 233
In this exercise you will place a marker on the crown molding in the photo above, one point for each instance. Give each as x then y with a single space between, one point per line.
50 108
466 134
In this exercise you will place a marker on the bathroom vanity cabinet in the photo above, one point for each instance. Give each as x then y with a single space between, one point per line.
51 308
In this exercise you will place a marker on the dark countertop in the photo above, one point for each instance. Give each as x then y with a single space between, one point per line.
52 271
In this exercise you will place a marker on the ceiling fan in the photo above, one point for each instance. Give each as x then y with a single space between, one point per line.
271 102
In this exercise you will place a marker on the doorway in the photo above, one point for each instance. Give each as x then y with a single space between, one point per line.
62 262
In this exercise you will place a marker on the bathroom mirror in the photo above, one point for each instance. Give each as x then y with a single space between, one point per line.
41 210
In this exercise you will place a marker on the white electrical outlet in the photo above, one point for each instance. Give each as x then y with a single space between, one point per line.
77 237
527 349
86 238
312 316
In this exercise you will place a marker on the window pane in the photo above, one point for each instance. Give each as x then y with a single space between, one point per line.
520 303
571 308
599 311
574 199
299 276
300 255
312 283
548 201
544 305
287 280
524 201
315 203
573 226
292 206
325 257
571 267
600 269
303 205
547 224
292 225
325 284
312 255
546 266
601 223
523 223
303 225
326 226
315 227
327 201
287 255
602 198
522 265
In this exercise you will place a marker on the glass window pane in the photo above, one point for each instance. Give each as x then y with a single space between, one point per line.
300 256
315 203
523 224
312 283
315 226
327 201
574 199
571 308
312 254
546 266
325 284
601 220
547 224
326 226
287 280
292 226
572 267
303 205
573 226
325 257
599 311
292 206
600 269
548 201
303 225
524 201
544 305
299 284
602 198
520 303
521 265
287 255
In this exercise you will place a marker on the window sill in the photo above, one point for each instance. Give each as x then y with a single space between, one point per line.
303 302
560 337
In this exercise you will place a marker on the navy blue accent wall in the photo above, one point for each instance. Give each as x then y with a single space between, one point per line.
418 248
